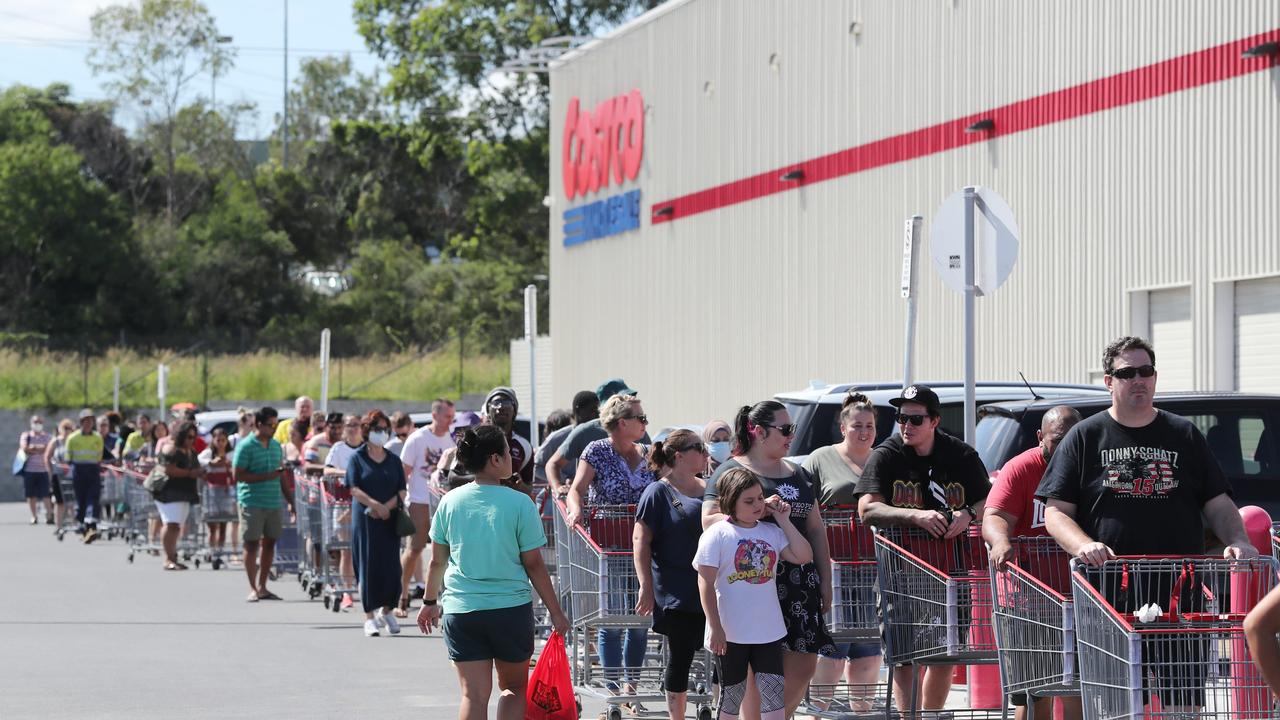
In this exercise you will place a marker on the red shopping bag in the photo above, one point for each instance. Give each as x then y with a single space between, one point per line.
550 693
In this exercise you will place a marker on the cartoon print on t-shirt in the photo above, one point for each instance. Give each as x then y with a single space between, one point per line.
754 562
788 492
1140 471
907 494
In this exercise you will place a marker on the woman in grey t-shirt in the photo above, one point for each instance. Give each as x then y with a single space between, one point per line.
836 470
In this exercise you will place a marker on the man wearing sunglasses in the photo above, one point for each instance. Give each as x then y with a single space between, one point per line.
924 478
1135 480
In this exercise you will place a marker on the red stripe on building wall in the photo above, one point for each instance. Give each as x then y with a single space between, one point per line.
1203 67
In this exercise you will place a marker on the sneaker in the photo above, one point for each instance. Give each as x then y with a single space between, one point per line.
393 627
347 602
370 628
90 535
377 617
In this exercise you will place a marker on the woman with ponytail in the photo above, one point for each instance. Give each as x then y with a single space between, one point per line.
665 538
761 440
485 551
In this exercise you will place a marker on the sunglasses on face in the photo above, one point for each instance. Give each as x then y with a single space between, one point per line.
1128 373
916 420
695 447
786 430
644 419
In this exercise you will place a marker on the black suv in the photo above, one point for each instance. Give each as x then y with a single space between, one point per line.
1241 430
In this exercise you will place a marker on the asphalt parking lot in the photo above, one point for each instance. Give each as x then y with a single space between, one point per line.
86 634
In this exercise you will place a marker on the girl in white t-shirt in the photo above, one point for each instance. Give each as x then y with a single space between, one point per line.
736 561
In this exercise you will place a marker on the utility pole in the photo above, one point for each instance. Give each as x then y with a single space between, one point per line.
284 125
213 75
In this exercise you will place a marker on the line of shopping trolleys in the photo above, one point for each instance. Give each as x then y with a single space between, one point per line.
1053 627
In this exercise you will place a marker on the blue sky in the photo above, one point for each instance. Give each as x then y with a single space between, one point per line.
46 41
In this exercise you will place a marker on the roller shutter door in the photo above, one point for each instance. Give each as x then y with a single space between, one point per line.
1257 335
1170 313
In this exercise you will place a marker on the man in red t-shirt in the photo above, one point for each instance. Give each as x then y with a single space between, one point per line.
1012 504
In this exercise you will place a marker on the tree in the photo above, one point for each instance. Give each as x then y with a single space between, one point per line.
153 49
327 91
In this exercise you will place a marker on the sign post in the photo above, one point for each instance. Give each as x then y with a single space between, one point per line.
975 245
115 389
162 390
531 337
324 371
910 243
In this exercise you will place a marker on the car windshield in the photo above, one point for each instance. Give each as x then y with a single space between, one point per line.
997 440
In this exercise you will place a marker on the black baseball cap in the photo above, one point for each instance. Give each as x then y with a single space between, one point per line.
614 386
922 394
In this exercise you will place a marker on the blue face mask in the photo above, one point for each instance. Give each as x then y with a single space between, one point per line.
719 451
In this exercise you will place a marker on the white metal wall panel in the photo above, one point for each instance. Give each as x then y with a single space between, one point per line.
520 376
714 310
1257 335
1171 336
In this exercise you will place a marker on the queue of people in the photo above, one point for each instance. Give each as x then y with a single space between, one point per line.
730 548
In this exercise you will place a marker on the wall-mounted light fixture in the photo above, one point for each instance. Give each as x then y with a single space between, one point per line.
984 125
1263 50
793 176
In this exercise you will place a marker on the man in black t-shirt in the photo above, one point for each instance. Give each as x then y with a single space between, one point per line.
1135 480
927 479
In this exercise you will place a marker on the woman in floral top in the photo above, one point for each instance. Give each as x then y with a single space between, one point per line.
614 471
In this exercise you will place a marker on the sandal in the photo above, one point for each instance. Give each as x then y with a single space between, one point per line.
268 595
402 609
174 566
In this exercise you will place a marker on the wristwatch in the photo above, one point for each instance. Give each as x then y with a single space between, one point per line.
427 602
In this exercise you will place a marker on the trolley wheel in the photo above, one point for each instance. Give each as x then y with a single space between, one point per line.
61 535
704 712
326 602
197 563
335 605
216 564
615 712
313 592
130 556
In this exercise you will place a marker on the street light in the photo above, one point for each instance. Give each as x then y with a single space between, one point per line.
213 73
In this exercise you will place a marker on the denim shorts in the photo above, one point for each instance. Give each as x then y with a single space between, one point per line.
504 634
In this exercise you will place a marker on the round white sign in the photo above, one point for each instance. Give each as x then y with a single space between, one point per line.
995 241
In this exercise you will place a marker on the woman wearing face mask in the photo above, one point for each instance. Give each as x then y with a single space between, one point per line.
376 479
35 471
835 470
717 436
762 438
665 538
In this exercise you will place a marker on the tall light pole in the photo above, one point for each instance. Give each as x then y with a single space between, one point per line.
284 125
213 74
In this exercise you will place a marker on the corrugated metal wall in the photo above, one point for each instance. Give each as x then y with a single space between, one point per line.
705 313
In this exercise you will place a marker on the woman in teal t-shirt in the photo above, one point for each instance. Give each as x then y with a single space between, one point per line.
486 541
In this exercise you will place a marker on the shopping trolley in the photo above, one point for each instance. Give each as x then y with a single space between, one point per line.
935 601
1033 619
218 505
306 501
854 614
1163 638
142 514
603 589
335 538
1275 540
112 503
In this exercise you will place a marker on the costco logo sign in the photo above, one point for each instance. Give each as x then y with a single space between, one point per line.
600 148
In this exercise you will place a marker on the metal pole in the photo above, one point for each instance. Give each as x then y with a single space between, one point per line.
115 389
324 371
162 389
531 336
910 249
970 404
284 125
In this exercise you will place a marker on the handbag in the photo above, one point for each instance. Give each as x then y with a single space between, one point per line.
19 462
404 523
550 691
156 480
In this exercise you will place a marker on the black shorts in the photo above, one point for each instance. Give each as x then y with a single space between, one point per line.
35 484
765 658
504 634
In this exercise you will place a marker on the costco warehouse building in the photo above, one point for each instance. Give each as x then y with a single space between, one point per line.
730 180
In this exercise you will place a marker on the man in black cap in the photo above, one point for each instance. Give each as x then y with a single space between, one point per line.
586 407
500 408
922 478
564 462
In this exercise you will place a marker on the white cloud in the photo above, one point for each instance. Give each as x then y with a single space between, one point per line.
44 20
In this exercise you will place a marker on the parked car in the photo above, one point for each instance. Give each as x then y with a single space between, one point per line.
227 420
1240 428
815 411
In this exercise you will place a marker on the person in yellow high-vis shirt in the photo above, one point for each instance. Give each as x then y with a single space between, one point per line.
84 452
303 407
